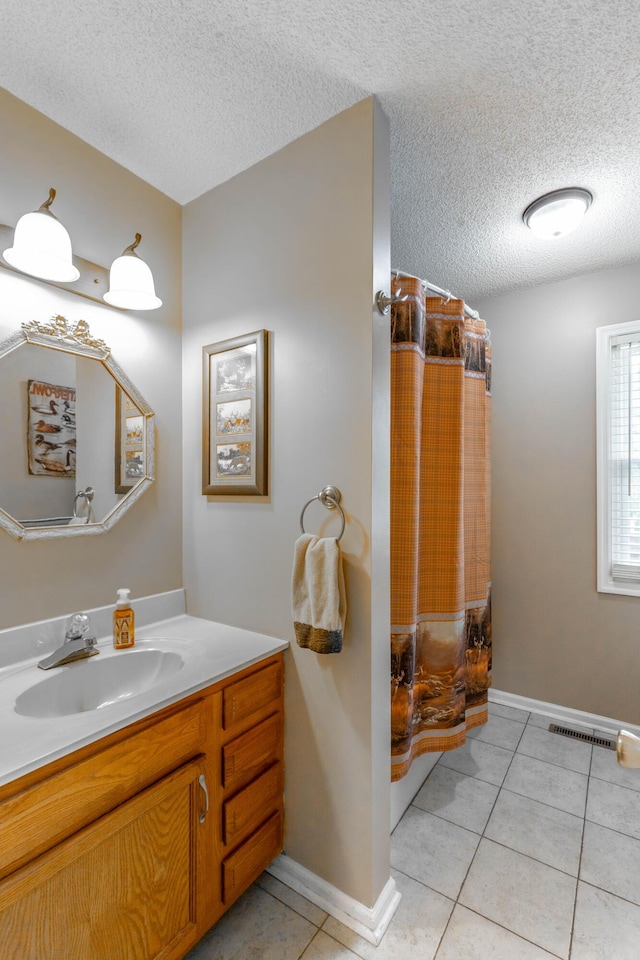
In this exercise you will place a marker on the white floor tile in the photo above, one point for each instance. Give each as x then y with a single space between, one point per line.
611 861
323 947
537 830
606 928
471 937
615 807
499 731
605 766
553 748
257 926
511 713
529 898
292 899
433 851
415 930
548 783
478 759
539 720
464 800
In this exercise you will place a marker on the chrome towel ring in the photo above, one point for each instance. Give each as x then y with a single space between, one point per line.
87 496
330 496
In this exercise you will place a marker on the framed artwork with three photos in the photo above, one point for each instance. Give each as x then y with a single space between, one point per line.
235 416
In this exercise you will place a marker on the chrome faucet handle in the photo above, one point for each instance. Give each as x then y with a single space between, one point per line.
77 626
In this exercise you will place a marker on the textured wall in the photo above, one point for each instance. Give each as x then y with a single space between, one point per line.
297 245
102 205
555 637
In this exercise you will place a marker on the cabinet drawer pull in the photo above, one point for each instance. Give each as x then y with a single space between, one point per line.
203 784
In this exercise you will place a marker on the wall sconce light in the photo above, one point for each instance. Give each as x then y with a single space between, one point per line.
558 212
42 249
42 246
131 282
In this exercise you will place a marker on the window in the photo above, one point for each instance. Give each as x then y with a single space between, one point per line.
618 387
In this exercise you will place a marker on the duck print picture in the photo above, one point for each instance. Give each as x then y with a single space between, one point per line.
51 434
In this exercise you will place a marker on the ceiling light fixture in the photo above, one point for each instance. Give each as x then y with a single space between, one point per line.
41 246
131 282
557 213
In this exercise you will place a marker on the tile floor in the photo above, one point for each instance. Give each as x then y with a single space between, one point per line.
521 845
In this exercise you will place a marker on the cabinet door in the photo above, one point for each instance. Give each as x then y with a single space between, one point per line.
124 888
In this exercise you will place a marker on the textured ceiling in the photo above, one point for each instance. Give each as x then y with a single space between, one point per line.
491 104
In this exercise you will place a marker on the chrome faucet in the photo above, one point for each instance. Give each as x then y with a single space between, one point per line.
78 643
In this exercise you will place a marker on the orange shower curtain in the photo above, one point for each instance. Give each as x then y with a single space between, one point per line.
440 488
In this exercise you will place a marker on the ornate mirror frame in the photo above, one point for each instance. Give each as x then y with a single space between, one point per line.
60 334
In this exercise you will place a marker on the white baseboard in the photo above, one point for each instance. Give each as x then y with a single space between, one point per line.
566 714
368 922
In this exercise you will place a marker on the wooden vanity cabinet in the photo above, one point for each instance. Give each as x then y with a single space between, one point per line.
135 845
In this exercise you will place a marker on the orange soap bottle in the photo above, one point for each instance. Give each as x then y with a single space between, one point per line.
123 621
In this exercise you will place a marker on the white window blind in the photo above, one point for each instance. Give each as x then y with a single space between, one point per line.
624 458
618 382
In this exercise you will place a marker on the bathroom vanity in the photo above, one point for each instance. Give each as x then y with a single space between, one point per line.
133 844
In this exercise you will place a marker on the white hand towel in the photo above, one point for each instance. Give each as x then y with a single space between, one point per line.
318 596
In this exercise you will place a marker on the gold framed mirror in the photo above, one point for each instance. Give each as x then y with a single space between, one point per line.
77 437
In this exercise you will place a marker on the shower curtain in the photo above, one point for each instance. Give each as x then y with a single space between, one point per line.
440 488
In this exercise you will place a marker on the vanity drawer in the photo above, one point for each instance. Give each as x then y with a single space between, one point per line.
246 756
50 811
248 809
243 866
251 695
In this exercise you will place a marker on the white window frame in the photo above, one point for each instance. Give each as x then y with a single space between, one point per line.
604 337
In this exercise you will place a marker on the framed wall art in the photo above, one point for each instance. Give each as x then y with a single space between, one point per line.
51 432
234 416
130 433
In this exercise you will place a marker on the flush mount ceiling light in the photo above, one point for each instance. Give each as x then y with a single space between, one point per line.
557 213
131 282
41 246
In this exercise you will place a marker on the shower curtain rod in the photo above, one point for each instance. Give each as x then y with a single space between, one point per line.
445 294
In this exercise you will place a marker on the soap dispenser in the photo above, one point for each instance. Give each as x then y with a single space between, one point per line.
123 621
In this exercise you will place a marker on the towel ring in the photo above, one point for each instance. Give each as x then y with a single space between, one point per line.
82 495
330 496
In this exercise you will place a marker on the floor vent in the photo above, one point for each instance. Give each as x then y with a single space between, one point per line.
606 742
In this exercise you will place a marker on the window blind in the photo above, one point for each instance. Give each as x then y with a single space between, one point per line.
624 457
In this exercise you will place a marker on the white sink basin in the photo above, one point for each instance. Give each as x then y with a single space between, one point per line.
97 682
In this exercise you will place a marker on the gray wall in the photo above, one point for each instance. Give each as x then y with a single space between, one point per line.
297 245
102 205
555 637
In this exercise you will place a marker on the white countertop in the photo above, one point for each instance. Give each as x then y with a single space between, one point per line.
210 652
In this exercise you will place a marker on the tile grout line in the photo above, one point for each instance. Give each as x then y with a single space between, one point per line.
584 822
612 783
512 932
475 853
502 787
483 836
453 902
515 793
616 896
318 929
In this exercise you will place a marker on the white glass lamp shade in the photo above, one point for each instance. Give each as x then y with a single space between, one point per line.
131 283
42 247
557 213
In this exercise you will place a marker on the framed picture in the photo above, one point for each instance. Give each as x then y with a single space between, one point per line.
51 430
130 453
234 416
